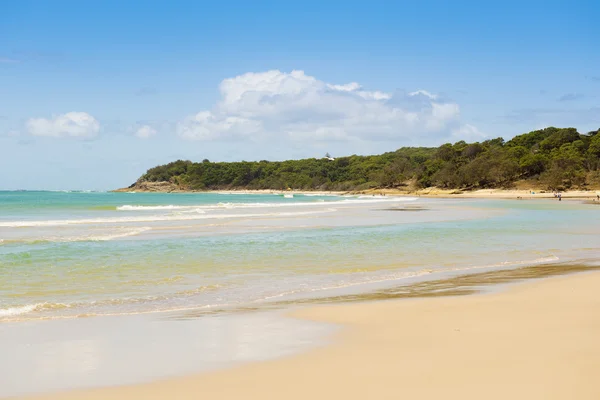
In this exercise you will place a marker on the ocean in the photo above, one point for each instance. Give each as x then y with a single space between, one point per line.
73 254
73 260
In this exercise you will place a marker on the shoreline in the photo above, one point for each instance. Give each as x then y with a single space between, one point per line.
433 192
464 345
500 194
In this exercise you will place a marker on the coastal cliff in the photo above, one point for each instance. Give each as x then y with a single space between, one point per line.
144 186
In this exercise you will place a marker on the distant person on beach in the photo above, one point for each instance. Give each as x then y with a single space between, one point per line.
559 197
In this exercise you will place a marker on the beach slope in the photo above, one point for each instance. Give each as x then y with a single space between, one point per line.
538 340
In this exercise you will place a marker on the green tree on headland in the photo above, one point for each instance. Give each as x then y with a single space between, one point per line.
555 158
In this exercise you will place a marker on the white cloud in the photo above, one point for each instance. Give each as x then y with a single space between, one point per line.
206 126
145 132
469 133
354 88
424 93
71 124
348 87
295 106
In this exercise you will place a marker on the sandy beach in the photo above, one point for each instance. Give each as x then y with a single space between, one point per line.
536 340
449 193
490 193
259 201
516 193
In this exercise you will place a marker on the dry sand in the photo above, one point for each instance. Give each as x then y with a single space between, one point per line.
521 191
447 193
489 193
538 340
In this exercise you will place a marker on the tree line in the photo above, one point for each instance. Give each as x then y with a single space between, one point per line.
552 158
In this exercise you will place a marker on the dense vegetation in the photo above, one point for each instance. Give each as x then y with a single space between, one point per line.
551 158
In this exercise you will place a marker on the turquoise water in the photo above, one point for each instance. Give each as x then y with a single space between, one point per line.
73 254
27 205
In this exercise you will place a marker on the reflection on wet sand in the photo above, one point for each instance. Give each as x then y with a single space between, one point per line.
466 284
416 208
455 286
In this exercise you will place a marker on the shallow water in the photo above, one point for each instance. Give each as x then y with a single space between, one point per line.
96 352
175 276
65 255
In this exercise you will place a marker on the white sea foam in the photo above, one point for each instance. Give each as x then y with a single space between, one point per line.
101 238
12 311
344 285
116 233
18 313
190 211
403 275
504 264
346 201
152 218
128 207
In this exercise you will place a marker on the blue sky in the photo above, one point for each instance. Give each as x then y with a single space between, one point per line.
94 93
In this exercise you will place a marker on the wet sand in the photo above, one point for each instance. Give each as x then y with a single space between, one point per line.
537 340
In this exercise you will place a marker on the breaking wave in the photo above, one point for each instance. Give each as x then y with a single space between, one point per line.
152 218
347 201
186 300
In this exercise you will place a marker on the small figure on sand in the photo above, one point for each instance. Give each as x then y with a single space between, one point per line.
559 197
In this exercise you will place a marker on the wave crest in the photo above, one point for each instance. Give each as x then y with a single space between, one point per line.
19 310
